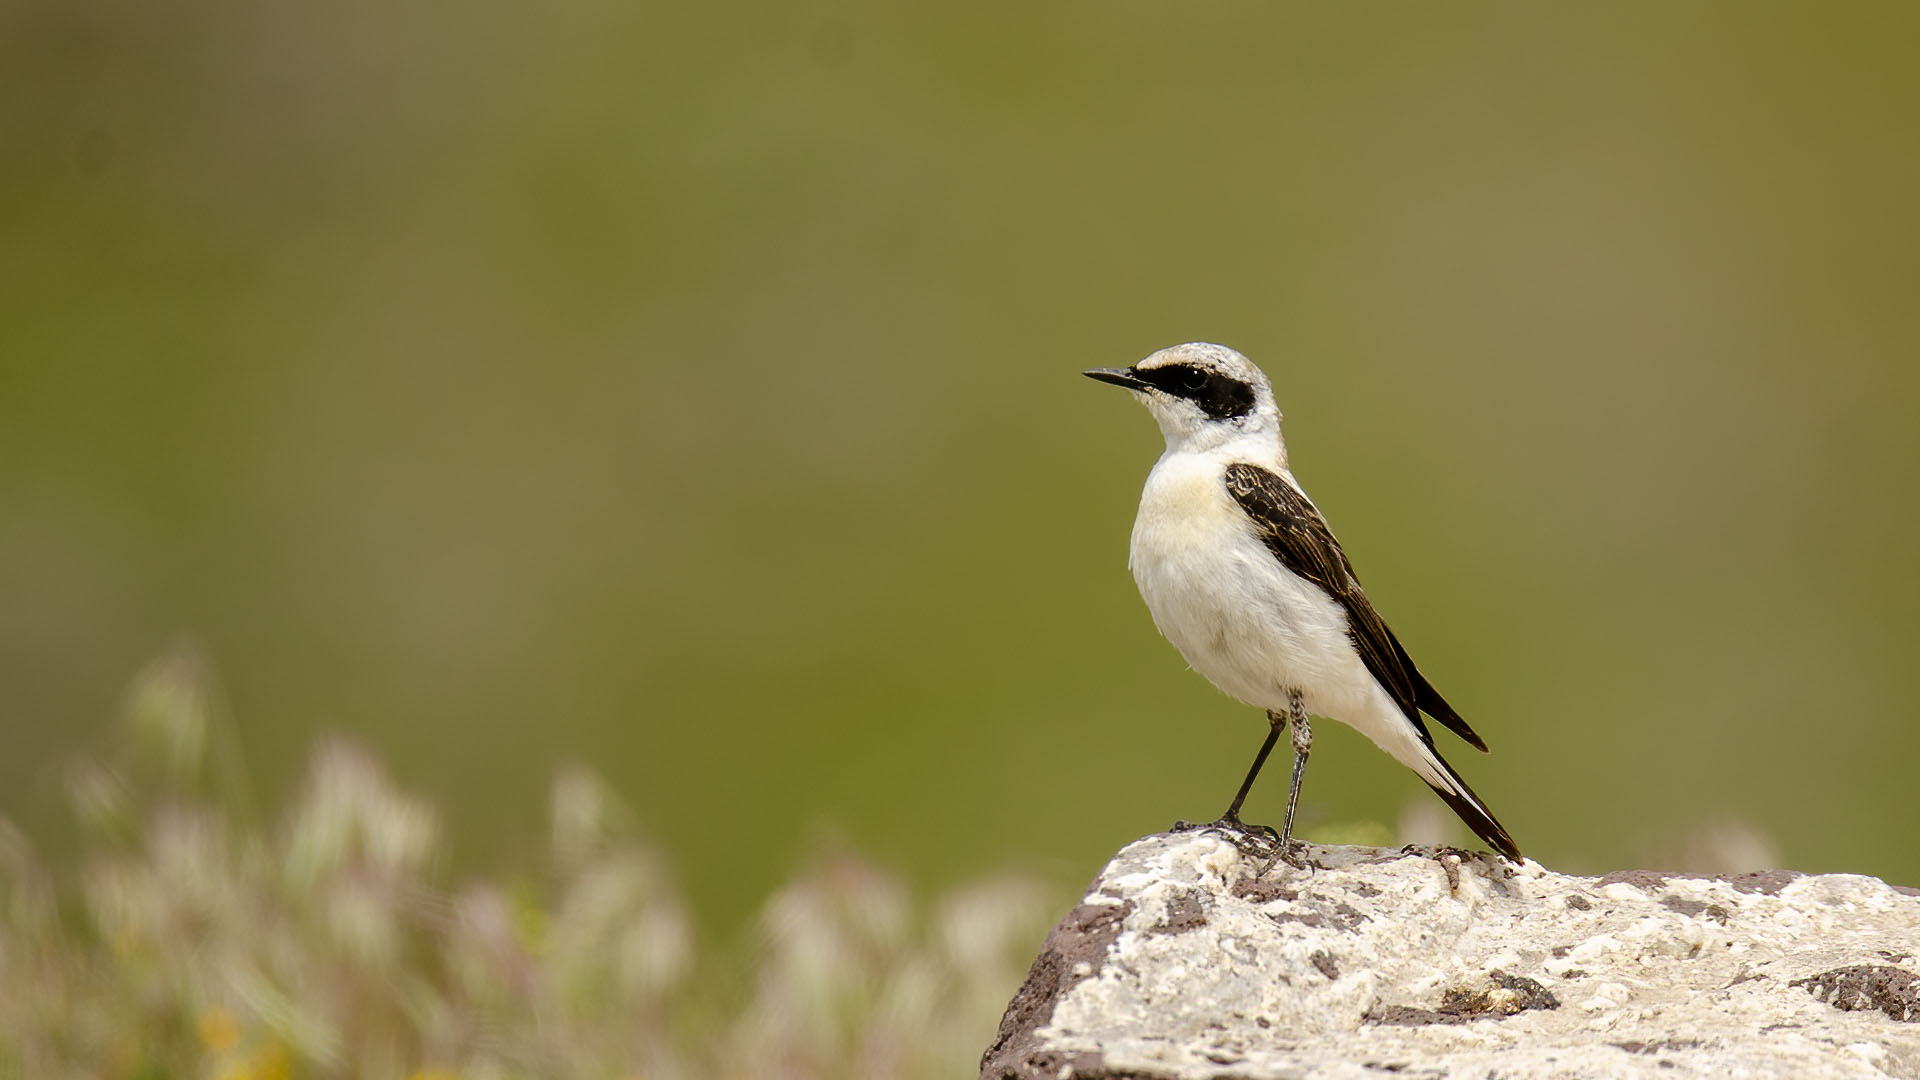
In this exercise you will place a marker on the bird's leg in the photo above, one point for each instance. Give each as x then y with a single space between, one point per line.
1261 836
1275 725
1302 745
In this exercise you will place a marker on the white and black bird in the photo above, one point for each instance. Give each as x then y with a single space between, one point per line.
1242 574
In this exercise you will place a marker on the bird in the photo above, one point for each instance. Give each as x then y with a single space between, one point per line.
1242 575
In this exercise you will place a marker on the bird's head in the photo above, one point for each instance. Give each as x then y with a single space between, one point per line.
1201 395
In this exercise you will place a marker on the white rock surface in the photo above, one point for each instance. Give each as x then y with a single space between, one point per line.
1184 961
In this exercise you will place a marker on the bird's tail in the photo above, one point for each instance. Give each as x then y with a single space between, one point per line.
1455 793
1410 744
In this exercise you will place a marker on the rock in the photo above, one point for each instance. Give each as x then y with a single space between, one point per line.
1184 960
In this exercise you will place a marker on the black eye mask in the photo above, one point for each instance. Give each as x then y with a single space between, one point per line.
1217 395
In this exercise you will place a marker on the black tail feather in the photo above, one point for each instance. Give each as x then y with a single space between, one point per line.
1478 818
1431 703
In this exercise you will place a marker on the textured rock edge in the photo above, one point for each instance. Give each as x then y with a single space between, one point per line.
1078 945
1073 951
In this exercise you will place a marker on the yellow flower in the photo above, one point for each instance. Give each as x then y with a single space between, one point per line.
219 1031
270 1063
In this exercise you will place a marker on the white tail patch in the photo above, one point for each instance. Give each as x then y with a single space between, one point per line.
1391 731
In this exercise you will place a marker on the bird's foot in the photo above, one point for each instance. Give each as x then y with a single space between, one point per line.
1262 842
1254 841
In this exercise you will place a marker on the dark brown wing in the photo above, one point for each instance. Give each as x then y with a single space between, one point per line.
1298 536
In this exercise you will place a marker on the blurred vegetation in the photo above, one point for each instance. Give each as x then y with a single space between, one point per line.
188 941
693 390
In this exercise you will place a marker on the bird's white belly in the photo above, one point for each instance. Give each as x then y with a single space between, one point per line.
1252 627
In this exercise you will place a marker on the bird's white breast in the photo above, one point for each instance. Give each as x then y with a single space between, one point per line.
1246 622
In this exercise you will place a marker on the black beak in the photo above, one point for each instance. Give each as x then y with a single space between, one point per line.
1118 377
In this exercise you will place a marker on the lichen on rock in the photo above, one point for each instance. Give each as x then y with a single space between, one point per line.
1187 959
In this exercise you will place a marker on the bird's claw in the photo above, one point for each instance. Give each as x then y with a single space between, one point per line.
1295 855
1253 841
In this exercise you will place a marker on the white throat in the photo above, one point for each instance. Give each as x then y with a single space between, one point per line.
1254 437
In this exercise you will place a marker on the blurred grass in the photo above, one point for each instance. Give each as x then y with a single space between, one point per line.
189 941
693 391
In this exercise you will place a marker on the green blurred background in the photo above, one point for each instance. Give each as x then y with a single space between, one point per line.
694 391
